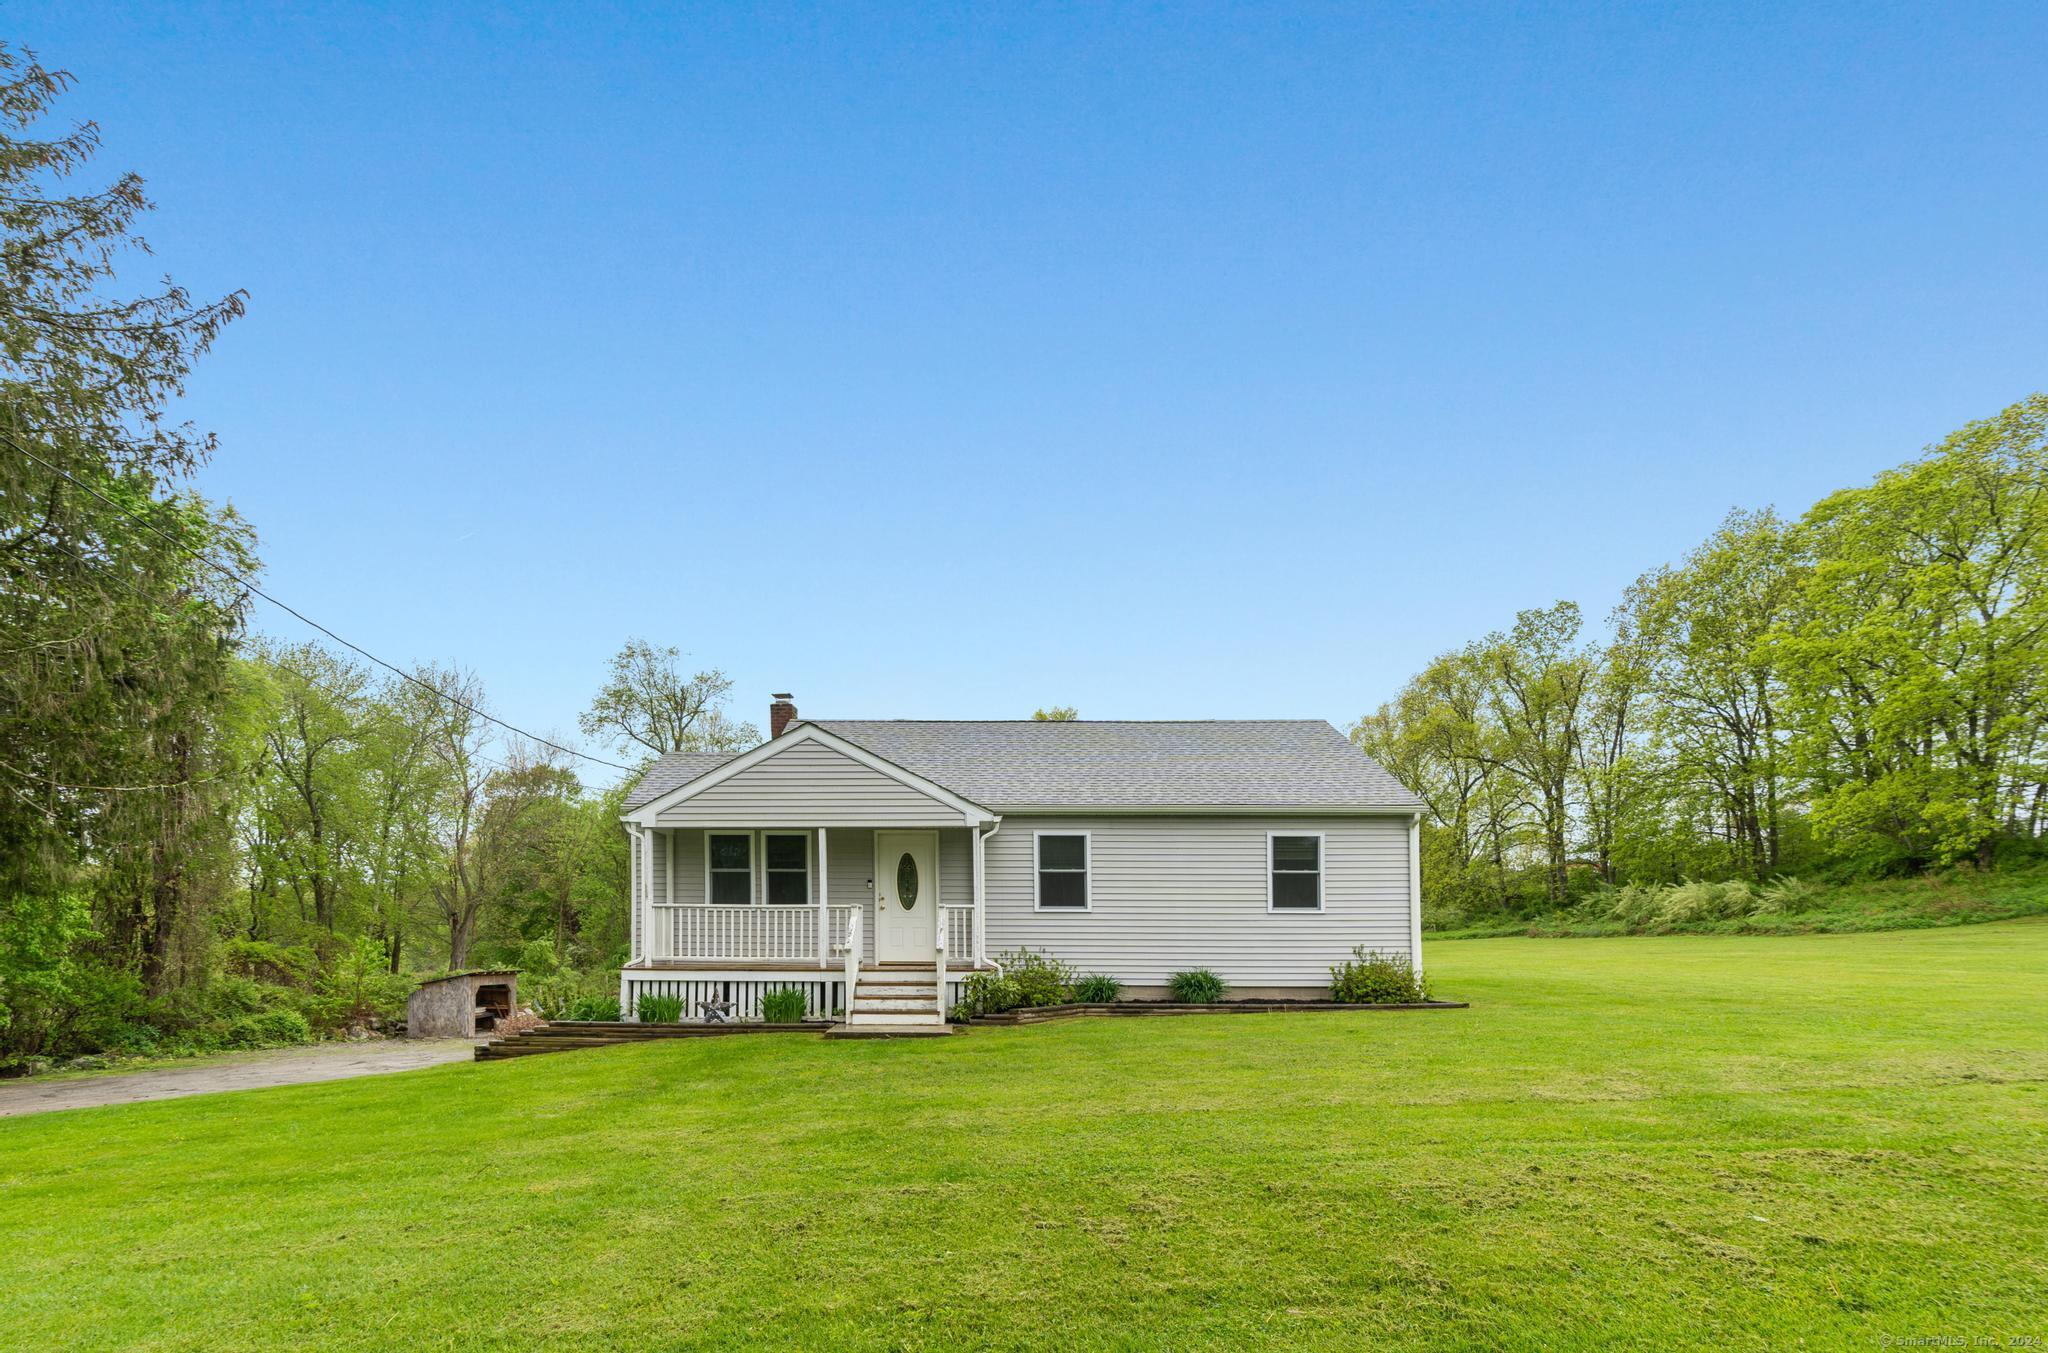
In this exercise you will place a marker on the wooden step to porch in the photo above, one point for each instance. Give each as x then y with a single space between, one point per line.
894 1005
854 1028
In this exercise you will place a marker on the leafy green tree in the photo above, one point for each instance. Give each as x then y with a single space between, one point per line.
1057 714
115 645
648 703
1707 633
1541 676
1917 665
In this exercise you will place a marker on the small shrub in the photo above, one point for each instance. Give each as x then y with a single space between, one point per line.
1634 905
265 962
604 1008
1097 989
1694 901
786 1006
660 1009
269 1029
555 993
1444 916
1041 979
1368 978
984 993
1785 893
539 958
1196 987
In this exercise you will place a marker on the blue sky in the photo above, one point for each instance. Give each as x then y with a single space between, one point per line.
1169 362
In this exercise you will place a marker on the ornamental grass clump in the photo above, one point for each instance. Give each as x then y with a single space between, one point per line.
1097 989
660 1009
1368 978
1198 986
786 1006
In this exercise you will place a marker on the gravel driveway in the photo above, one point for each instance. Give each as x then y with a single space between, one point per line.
235 1071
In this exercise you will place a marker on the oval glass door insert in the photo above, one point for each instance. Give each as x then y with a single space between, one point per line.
906 881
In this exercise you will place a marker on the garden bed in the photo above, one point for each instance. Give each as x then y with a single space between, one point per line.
1039 1013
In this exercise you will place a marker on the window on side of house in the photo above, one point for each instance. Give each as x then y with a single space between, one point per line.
1063 871
787 858
1296 872
730 856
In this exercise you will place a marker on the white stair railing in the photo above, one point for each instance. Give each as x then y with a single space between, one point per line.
939 966
852 958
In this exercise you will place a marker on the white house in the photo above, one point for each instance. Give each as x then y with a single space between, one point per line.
886 859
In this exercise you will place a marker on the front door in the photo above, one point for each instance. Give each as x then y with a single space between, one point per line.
906 896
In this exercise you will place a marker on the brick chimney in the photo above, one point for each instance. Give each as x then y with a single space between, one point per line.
781 714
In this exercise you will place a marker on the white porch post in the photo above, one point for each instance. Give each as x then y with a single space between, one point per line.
647 890
633 947
824 906
980 897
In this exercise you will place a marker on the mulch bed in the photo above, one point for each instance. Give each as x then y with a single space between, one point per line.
1039 1014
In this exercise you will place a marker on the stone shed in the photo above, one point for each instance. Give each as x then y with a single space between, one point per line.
460 1005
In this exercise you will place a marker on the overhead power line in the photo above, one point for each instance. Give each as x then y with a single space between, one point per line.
301 616
329 691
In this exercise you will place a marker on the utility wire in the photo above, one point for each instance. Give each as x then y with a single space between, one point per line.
328 691
224 570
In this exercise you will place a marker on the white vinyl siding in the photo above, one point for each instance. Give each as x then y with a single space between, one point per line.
809 785
1171 893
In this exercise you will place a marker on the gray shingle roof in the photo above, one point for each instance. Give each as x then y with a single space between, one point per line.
1004 764
1091 763
677 768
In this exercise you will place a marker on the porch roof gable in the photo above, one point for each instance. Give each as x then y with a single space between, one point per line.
822 779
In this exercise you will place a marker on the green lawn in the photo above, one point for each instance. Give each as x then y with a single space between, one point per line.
1960 896
1625 1142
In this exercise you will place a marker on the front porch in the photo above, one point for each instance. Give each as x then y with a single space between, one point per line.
808 864
805 909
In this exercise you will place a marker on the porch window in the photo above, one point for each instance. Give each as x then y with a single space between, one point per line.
787 856
730 857
1062 871
1295 882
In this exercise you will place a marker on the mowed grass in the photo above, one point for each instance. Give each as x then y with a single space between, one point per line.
1624 1143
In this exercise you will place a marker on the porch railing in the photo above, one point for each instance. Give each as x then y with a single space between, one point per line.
957 925
722 934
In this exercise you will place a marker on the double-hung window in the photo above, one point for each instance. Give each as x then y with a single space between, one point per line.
729 857
1294 878
787 858
1063 871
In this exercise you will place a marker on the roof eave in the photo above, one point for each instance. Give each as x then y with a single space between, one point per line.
1214 809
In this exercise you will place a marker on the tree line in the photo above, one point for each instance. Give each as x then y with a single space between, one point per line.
1857 690
206 836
